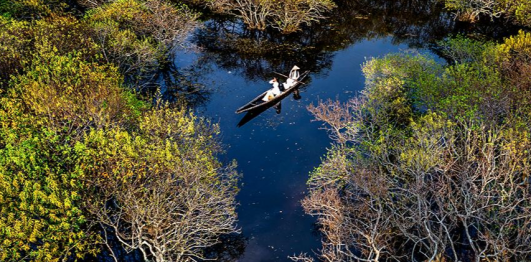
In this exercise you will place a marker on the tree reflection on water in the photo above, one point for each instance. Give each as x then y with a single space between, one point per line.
256 54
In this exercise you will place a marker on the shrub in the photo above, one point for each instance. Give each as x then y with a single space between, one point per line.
137 35
14 48
430 163
69 92
519 12
160 189
20 40
40 190
287 16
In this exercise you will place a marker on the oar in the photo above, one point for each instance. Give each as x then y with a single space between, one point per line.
288 77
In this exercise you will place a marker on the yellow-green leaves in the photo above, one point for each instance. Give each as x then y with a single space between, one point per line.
72 136
519 12
70 91
439 152
164 173
39 208
520 43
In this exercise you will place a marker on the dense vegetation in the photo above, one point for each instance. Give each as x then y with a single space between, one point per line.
286 16
86 162
432 161
515 11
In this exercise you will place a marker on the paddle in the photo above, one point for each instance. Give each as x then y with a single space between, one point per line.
288 77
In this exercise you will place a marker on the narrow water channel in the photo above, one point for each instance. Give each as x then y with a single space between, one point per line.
277 152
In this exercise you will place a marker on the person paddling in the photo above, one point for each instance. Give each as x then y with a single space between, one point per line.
293 76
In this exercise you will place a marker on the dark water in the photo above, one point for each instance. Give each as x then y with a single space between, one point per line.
276 152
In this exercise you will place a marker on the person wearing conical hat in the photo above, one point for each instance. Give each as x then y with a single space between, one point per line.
293 76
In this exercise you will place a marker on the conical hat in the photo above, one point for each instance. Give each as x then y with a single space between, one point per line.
295 68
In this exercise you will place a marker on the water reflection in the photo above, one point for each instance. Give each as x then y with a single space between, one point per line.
256 54
177 84
276 152
230 248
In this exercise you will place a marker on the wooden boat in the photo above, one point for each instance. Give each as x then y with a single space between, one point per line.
259 103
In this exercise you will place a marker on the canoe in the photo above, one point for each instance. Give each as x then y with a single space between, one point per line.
259 103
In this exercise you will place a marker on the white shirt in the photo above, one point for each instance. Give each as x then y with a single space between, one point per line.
276 90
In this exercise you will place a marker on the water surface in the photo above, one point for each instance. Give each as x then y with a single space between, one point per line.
276 152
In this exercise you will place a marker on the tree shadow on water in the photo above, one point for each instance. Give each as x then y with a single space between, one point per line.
227 43
230 248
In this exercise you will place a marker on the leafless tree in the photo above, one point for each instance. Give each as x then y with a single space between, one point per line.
471 10
255 13
287 16
292 14
169 25
166 196
445 192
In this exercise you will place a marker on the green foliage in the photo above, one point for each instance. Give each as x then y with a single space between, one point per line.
40 212
31 9
72 135
120 30
63 34
134 35
137 35
21 41
388 83
519 12
472 88
165 136
463 91
419 153
425 147
14 43
67 91
164 180
519 45
133 56
463 49
43 115
128 14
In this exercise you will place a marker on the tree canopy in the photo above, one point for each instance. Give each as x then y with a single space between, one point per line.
84 157
431 162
